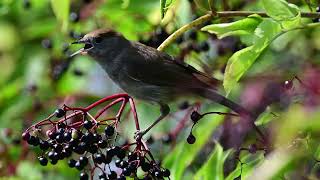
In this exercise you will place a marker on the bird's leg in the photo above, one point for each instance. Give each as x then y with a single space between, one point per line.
164 110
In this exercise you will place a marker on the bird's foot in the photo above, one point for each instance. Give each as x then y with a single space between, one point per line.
139 134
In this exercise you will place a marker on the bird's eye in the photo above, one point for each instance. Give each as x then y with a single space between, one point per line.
87 46
98 40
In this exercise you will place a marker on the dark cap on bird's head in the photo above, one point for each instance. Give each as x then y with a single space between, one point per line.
94 39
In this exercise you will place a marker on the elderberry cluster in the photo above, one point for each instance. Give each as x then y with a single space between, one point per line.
88 146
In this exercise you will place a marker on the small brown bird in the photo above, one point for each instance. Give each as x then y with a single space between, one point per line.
148 74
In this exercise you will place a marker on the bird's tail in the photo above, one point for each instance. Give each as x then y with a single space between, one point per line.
214 96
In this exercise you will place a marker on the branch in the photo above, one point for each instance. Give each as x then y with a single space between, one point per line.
229 14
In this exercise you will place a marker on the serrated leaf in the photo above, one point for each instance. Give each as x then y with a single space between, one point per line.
213 168
242 60
238 28
61 11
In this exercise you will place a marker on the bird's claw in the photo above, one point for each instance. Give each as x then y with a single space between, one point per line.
138 135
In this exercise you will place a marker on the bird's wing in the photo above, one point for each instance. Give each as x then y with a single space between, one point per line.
161 69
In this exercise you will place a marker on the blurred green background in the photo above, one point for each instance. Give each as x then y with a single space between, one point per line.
37 76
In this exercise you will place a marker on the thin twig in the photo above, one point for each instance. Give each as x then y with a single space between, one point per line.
209 16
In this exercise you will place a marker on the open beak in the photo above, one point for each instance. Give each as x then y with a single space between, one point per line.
81 51
84 50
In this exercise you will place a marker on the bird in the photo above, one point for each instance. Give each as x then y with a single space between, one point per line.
148 74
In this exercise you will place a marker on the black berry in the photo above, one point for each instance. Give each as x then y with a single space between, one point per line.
99 158
46 43
109 131
195 116
102 144
166 172
191 139
60 113
72 163
112 175
74 17
252 148
87 124
26 136
84 176
43 161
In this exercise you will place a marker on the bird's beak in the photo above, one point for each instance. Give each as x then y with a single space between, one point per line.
81 51
84 50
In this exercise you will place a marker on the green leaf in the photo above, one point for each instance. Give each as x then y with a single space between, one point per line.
213 168
164 4
242 60
288 14
162 7
61 10
246 166
280 10
238 28
183 154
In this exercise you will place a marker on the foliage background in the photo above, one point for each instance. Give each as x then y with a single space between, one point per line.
36 80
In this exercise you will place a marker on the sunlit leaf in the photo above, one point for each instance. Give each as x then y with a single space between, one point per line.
61 11
242 27
246 166
213 168
240 62
288 14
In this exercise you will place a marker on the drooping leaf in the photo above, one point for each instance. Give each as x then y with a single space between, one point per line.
213 168
61 10
242 27
242 60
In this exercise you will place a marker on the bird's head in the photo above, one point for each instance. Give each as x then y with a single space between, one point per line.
98 42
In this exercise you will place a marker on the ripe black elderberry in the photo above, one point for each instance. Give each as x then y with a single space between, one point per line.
87 124
99 158
252 148
126 171
112 175
72 163
44 145
191 139
193 35
288 85
83 160
46 43
26 136
204 46
33 140
109 131
67 136
60 113
166 172
43 161
145 166
195 116
74 17
102 144
84 176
